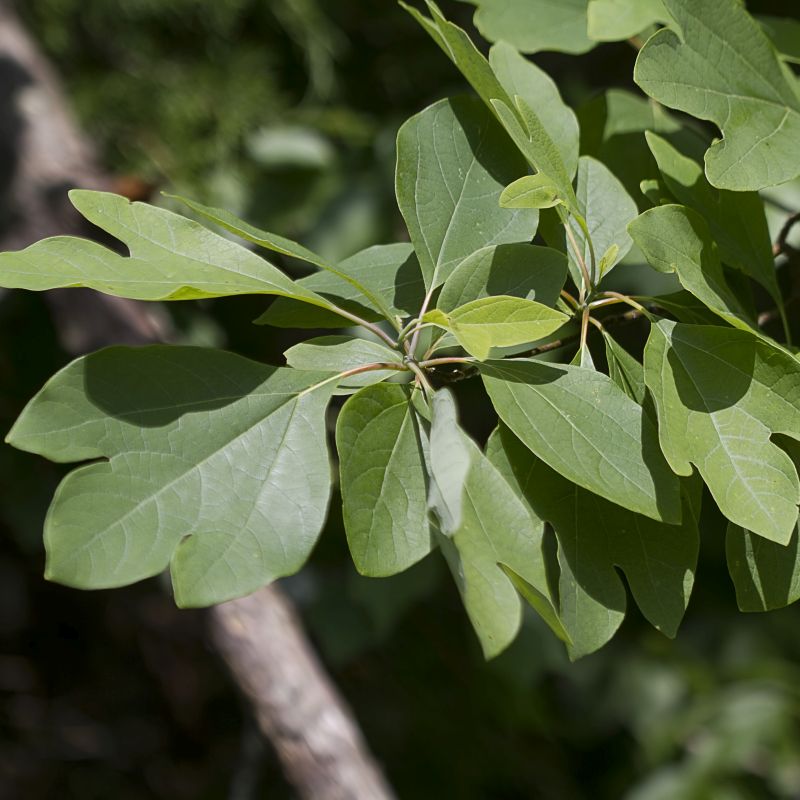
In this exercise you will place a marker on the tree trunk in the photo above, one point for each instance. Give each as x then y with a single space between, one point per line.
42 154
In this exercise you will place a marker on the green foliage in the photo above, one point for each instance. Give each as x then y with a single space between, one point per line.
218 467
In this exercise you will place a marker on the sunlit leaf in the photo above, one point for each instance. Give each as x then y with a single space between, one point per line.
171 258
720 394
723 68
453 162
497 322
582 424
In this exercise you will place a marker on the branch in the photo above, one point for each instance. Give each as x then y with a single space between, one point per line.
260 637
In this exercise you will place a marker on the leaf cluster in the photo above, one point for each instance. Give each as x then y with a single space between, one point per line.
219 468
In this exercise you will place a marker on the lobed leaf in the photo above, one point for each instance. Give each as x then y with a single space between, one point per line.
736 220
724 69
213 465
280 244
720 394
676 239
171 258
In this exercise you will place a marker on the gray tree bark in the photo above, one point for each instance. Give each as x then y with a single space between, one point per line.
42 154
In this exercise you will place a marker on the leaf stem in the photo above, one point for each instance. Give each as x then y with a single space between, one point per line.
585 317
570 299
587 281
425 303
436 362
370 326
623 298
378 365
421 378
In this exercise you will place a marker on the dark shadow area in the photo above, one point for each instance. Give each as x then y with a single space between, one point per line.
155 385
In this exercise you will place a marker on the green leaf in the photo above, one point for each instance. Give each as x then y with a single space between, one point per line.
382 466
766 574
518 270
785 36
607 209
496 529
736 220
624 369
212 464
171 258
341 353
675 238
531 136
583 426
614 20
532 191
390 270
720 394
535 25
453 161
450 458
559 125
594 538
612 126
284 246
497 322
724 69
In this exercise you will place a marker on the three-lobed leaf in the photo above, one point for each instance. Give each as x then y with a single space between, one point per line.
171 258
201 449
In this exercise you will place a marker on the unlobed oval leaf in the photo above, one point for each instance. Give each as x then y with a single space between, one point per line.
453 161
498 322
583 426
389 270
497 532
384 479
517 270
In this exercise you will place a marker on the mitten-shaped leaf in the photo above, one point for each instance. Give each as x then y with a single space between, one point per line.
720 394
723 68
171 258
213 464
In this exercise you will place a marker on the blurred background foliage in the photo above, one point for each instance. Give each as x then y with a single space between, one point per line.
285 111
